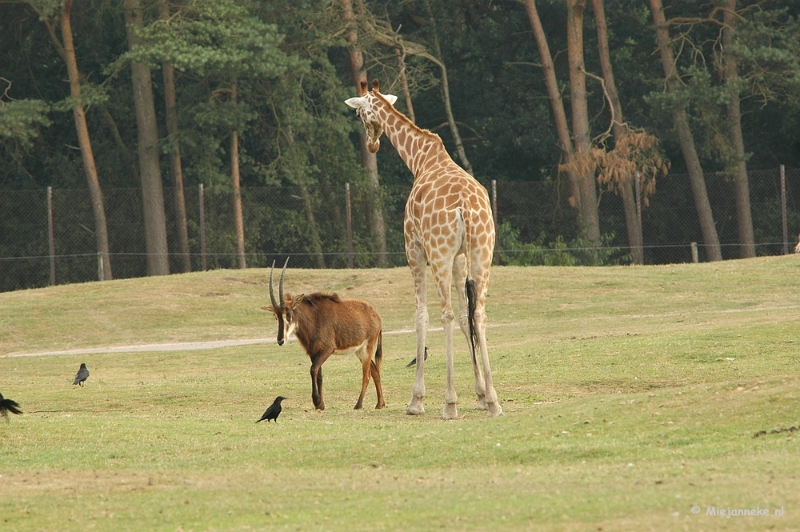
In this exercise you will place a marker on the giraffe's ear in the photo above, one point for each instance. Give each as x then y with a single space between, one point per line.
391 98
355 103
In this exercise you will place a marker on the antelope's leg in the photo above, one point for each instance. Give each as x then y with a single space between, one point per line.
365 364
316 375
316 379
376 378
319 389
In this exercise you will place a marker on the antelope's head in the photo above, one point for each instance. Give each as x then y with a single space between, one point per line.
284 312
366 107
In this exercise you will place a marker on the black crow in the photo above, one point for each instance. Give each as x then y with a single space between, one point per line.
81 376
8 405
414 362
273 410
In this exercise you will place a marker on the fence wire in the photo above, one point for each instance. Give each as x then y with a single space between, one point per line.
314 226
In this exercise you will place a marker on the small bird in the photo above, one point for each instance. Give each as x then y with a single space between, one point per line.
273 411
81 376
414 362
8 405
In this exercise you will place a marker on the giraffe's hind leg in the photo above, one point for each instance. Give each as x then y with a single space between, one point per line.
459 279
442 273
481 263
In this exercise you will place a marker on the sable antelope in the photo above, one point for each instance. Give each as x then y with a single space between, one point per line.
325 324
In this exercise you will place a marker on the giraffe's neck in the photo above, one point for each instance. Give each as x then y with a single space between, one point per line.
417 147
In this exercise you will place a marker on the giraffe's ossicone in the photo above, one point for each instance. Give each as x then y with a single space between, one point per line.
448 224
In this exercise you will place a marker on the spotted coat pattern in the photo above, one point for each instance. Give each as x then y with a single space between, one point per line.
448 224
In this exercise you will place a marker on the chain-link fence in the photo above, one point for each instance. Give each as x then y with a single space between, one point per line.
47 236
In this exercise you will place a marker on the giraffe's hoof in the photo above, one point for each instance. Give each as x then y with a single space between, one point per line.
450 411
415 408
495 409
482 405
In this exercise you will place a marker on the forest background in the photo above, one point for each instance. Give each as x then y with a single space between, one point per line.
122 110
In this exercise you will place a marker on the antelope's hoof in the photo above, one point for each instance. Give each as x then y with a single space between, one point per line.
379 406
450 411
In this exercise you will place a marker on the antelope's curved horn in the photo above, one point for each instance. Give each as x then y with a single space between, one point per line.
272 292
280 285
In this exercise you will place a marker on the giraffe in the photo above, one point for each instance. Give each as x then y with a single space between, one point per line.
448 224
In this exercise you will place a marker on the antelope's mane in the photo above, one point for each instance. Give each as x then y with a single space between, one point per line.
312 299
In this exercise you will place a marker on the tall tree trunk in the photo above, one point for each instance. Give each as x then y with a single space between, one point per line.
176 167
155 224
85 143
368 160
448 108
580 120
685 138
733 110
238 218
401 63
619 129
556 102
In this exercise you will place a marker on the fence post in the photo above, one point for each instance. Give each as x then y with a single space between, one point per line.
783 212
99 265
349 226
51 242
695 257
495 256
202 227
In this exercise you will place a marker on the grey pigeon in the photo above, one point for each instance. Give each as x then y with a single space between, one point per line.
273 410
8 405
414 362
81 376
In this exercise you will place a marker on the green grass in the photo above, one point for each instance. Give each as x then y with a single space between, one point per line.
631 394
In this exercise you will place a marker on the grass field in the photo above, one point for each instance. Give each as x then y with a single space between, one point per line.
632 400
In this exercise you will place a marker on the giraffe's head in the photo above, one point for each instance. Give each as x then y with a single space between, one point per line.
365 107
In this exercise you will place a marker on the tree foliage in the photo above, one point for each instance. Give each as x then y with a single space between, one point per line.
290 62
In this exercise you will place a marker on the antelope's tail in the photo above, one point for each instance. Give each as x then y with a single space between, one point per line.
378 358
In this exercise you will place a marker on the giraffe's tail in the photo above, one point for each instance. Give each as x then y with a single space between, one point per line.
470 287
472 295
